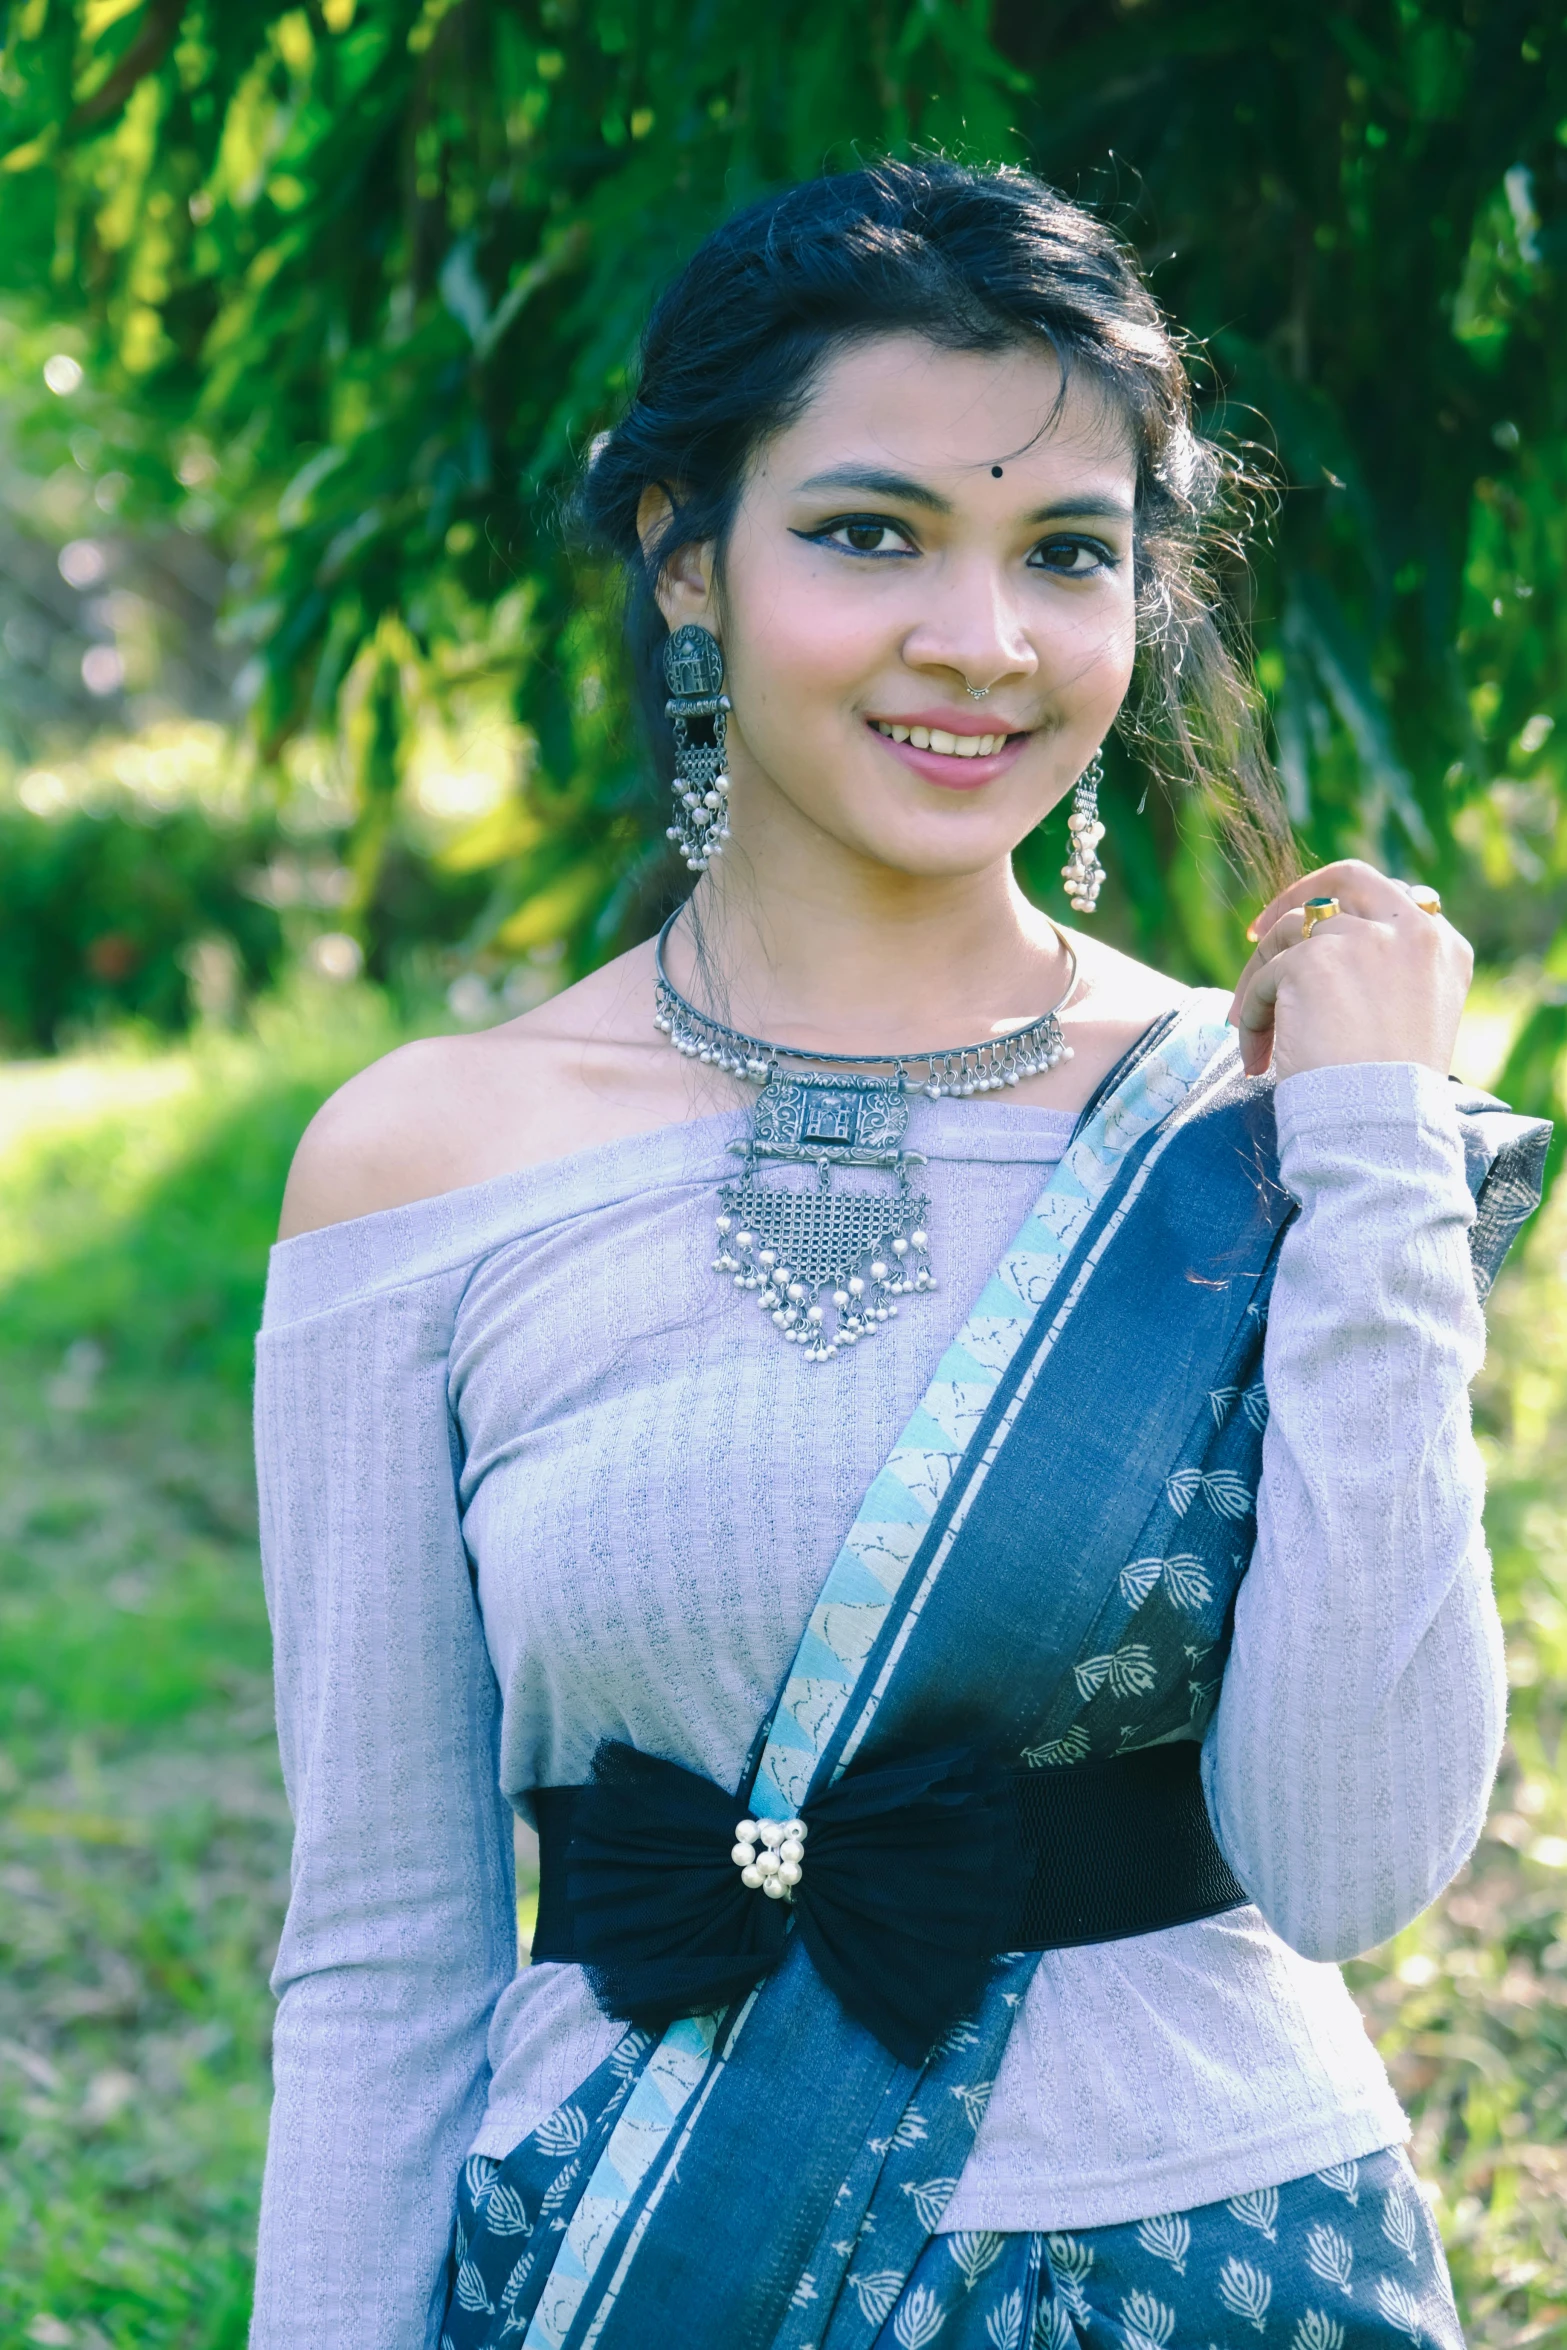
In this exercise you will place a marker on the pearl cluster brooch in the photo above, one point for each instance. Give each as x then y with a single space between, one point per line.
770 1855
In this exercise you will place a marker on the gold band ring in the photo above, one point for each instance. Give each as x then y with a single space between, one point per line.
1424 896
1317 910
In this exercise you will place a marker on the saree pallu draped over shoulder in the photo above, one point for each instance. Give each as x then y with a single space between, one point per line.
1045 1570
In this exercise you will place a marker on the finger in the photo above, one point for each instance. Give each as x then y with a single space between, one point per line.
1254 1005
1288 932
1359 888
1343 881
1351 880
1252 1009
1252 1015
1285 932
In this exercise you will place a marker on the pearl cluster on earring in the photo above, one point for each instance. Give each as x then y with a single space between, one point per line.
707 820
770 1854
1083 873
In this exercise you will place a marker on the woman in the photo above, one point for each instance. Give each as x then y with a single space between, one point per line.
850 1607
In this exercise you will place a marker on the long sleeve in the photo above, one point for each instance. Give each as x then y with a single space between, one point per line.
401 1928
1351 1757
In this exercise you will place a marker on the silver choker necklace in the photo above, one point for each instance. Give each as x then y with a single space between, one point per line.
802 1248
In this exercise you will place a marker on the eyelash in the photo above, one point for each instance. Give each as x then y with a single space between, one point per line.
1104 557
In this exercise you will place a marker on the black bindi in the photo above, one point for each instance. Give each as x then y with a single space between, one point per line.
995 473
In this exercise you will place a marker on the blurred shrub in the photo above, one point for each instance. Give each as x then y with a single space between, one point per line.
162 876
121 913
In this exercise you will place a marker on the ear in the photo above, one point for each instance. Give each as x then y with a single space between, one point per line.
684 588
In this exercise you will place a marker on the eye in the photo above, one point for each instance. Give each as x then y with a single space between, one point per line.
863 534
1073 558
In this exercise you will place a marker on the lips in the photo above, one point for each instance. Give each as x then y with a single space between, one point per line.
944 742
941 755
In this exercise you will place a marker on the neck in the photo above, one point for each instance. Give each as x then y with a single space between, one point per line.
867 962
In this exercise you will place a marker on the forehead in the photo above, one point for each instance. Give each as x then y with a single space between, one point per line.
904 403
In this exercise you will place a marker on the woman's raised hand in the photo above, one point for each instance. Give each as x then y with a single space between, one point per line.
1381 980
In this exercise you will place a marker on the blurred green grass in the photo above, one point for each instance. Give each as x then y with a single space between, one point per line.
143 1836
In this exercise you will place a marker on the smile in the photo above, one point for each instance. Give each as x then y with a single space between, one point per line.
949 746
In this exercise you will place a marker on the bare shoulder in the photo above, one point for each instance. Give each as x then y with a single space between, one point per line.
390 1135
448 1111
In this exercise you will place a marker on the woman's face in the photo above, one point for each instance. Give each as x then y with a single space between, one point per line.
923 527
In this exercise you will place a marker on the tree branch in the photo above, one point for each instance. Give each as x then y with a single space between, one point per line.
145 54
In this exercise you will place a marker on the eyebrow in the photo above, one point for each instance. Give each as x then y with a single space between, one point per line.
871 483
1091 508
878 485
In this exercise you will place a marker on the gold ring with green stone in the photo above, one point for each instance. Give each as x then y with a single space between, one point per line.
1317 910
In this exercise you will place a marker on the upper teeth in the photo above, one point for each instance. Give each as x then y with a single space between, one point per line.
936 738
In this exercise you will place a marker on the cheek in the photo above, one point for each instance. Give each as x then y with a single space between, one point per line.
1092 649
801 634
805 640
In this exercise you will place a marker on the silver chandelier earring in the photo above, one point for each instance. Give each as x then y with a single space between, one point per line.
694 674
1083 874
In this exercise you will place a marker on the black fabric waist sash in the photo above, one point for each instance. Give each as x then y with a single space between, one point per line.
1115 1848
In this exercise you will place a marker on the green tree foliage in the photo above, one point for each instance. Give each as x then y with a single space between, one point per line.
369 274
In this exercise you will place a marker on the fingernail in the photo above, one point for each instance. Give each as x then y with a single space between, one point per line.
1251 933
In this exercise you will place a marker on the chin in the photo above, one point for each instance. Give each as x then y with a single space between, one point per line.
953 855
933 844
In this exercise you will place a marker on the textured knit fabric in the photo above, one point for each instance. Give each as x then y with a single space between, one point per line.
1347 2259
533 1476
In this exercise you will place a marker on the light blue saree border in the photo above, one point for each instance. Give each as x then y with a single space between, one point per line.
870 1572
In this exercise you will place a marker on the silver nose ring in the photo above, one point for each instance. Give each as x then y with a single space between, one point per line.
976 693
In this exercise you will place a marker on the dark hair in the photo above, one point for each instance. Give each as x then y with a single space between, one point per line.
976 261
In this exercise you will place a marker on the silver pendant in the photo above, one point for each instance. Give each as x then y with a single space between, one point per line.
827 1260
802 1249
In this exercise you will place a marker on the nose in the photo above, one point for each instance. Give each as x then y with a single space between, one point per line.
971 626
